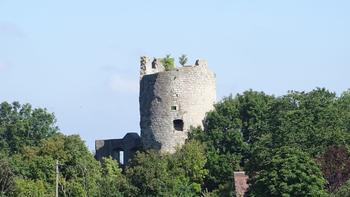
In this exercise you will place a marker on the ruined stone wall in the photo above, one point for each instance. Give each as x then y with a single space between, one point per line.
172 101
112 147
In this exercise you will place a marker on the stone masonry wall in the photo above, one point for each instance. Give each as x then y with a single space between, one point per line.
172 101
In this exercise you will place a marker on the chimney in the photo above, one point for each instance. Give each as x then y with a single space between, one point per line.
241 183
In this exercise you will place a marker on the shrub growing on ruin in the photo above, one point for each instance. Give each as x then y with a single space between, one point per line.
183 59
168 62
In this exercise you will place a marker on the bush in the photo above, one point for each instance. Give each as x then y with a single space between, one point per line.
168 63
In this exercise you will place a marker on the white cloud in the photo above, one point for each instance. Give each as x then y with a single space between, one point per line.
123 84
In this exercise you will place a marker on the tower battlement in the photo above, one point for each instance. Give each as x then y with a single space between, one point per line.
154 65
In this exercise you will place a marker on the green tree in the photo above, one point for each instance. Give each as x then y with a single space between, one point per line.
149 173
21 126
168 62
222 160
290 172
79 171
312 121
179 174
343 104
78 167
190 161
235 123
259 151
113 183
27 187
254 114
242 130
183 59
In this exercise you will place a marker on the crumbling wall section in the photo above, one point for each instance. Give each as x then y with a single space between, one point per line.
113 147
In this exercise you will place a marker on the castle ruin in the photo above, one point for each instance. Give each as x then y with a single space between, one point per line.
170 103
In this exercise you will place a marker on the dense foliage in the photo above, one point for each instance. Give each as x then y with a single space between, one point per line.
180 174
248 128
22 126
290 172
292 145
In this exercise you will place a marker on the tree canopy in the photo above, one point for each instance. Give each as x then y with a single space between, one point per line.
180 174
246 129
291 145
21 125
289 172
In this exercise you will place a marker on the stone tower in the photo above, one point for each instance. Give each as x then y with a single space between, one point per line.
173 101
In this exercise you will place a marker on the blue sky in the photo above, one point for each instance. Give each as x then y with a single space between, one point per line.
80 59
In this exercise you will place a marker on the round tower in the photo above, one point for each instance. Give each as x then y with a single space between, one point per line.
173 101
